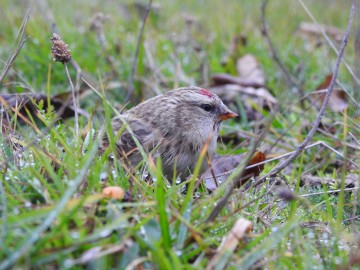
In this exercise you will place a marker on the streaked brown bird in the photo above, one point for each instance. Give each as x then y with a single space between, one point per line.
174 126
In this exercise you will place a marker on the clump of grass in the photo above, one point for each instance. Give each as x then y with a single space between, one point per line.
53 213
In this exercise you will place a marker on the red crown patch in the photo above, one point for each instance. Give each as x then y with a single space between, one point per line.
206 93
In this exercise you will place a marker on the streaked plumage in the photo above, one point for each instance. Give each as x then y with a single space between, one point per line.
174 126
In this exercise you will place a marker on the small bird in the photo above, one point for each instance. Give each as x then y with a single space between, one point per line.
174 126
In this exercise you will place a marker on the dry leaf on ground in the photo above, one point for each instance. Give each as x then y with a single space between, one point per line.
338 98
223 165
248 86
248 68
313 31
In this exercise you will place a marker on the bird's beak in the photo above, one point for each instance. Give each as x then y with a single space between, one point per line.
227 115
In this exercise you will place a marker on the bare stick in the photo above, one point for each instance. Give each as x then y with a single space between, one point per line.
264 31
357 62
329 192
208 159
21 42
318 143
136 54
74 101
315 126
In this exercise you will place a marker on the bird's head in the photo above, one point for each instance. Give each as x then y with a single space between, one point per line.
198 103
197 112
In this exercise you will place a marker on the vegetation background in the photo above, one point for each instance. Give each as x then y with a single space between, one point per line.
53 213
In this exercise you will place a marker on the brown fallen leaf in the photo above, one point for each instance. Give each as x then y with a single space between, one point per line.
222 165
313 31
249 68
338 98
229 243
248 86
250 74
231 93
113 192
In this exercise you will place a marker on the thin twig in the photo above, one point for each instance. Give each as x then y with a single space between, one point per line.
316 124
299 117
264 31
74 101
208 159
136 54
321 29
21 42
357 63
328 192
319 143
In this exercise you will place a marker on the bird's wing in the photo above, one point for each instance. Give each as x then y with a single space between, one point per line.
142 131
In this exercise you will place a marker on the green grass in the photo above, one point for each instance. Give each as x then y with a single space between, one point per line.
51 212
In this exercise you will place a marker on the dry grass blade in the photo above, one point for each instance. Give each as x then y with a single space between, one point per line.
238 232
21 42
134 63
282 165
264 30
331 44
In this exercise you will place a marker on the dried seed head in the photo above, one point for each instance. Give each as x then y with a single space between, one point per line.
60 49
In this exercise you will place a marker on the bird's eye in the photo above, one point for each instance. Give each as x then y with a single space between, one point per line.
207 107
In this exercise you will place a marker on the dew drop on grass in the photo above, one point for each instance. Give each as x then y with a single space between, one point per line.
75 235
36 182
325 236
178 181
310 235
67 263
103 175
105 233
337 260
274 229
114 174
70 183
27 204
145 175
165 47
